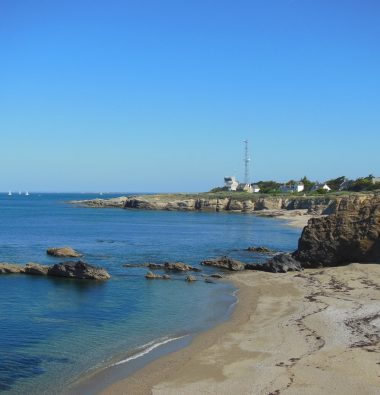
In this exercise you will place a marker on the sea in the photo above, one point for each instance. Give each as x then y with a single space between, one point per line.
54 332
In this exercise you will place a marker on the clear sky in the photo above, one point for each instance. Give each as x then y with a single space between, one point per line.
107 95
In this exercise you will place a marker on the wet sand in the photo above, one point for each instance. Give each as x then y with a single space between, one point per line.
315 332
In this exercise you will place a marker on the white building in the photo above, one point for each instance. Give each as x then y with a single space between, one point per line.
255 188
375 180
245 188
299 187
321 186
291 188
231 183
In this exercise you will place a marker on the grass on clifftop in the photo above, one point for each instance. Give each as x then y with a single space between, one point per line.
241 196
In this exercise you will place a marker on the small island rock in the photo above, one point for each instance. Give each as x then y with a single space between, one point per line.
63 252
78 270
225 263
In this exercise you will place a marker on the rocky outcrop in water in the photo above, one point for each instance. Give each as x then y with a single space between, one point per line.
260 250
63 252
225 263
173 266
77 270
152 276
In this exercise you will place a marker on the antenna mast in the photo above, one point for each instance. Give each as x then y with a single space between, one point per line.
247 159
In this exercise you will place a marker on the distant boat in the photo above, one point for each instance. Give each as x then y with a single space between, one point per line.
9 193
19 192
26 193
101 193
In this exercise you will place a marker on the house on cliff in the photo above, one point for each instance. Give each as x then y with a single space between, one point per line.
321 186
231 183
292 188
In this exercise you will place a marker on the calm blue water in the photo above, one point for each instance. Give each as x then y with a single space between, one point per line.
55 330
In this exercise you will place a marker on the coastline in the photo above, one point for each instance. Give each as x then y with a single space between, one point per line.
310 333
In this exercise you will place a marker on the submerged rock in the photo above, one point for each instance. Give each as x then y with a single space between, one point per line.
260 250
191 279
216 275
173 266
63 252
152 276
225 263
78 270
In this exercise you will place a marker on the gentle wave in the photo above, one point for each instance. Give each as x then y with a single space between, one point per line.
147 349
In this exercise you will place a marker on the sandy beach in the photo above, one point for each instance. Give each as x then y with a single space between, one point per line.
295 218
315 332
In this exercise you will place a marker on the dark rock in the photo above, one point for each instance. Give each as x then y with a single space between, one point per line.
209 280
180 267
350 235
78 270
191 279
173 266
260 250
225 263
216 275
63 252
155 266
36 269
280 263
166 277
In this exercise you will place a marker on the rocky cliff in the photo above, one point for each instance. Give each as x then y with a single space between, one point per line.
352 234
210 202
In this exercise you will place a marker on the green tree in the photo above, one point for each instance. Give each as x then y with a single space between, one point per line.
307 183
335 183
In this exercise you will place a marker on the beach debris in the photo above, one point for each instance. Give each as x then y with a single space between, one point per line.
63 252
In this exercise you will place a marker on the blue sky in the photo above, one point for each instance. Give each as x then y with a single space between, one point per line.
159 95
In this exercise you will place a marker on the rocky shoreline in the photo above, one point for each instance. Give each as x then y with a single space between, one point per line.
248 203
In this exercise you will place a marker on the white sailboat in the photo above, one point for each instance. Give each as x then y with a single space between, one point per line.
19 192
9 193
26 193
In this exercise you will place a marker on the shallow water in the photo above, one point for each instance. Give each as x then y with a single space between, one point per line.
55 330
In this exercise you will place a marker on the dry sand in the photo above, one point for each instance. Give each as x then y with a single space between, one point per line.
315 332
296 218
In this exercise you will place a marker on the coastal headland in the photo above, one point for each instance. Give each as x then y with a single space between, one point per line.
315 330
225 201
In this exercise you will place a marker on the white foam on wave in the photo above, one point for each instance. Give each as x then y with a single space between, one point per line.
147 348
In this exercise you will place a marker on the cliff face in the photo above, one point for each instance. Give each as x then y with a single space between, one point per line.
315 205
323 205
352 234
